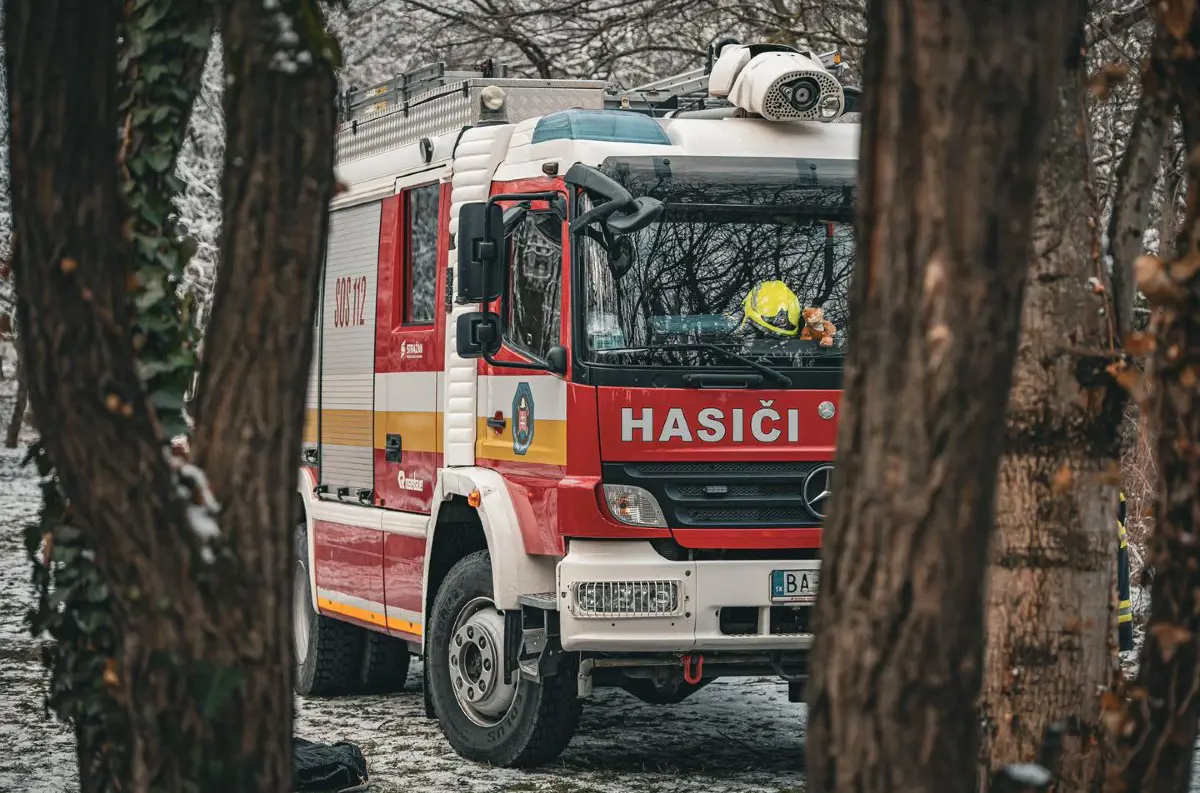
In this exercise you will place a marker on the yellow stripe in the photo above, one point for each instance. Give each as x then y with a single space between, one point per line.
1122 498
373 617
1124 618
421 431
404 626
310 426
1124 604
549 443
347 427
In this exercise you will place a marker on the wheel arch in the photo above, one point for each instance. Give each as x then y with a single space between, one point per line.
514 572
305 487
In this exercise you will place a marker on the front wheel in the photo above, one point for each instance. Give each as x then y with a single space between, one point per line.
521 723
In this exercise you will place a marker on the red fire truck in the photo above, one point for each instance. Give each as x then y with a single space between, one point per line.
545 450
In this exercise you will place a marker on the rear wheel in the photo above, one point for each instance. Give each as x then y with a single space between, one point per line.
384 665
328 653
521 723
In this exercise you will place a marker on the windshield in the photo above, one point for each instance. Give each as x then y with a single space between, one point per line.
730 225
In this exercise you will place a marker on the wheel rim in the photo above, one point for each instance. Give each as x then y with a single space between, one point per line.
476 676
300 605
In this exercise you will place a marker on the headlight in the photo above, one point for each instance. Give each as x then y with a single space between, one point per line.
634 506
492 97
830 106
627 598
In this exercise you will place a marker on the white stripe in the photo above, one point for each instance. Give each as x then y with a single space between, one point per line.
406 524
406 391
549 395
404 614
346 514
350 600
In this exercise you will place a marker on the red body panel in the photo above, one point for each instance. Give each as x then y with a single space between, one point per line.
670 424
404 571
349 560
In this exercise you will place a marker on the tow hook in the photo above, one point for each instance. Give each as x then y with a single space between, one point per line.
692 678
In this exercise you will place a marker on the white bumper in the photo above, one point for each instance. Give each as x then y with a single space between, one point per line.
705 589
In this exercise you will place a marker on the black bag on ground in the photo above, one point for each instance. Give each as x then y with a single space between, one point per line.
328 768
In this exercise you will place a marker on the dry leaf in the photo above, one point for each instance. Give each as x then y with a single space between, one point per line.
1062 480
1169 637
1111 475
1139 343
69 265
1152 280
1187 377
110 673
113 403
1102 81
1177 17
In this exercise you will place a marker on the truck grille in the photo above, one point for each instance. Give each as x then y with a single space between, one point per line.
723 495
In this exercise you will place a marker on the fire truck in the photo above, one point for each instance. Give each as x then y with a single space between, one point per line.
545 452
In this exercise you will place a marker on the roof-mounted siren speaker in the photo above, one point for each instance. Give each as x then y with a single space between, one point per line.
780 84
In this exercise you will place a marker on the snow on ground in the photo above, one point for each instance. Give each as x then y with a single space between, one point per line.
736 736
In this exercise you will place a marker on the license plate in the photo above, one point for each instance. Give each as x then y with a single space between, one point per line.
795 586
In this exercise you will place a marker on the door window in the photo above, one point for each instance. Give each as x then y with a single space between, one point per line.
532 315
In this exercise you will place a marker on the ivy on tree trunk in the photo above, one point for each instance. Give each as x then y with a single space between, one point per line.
958 95
200 666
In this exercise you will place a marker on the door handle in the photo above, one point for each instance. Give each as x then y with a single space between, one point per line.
392 450
497 422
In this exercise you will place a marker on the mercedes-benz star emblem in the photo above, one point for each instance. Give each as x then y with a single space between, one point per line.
817 490
826 410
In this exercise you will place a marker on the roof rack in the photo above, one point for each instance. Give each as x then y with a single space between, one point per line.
357 103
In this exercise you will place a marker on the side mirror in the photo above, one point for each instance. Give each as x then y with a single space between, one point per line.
477 334
641 213
481 252
556 360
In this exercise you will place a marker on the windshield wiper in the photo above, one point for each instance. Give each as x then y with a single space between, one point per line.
767 371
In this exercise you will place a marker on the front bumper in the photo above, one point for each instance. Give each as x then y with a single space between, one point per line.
705 588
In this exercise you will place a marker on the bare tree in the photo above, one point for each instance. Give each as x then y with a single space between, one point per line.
1157 723
198 584
1049 634
957 95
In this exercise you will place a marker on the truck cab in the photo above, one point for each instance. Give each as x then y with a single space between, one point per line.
573 408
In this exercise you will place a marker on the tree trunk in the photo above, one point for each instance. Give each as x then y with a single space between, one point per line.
957 94
204 662
17 420
1157 723
1135 178
1049 608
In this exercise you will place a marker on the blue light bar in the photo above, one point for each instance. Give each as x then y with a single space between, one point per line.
614 126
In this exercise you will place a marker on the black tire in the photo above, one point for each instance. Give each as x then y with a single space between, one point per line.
385 663
542 717
333 661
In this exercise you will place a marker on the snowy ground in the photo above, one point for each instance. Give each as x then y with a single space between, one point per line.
738 736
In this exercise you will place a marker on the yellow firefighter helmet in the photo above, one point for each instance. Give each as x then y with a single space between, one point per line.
773 308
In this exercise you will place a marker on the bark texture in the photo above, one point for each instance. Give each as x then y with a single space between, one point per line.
957 99
1049 608
204 666
1135 177
17 419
